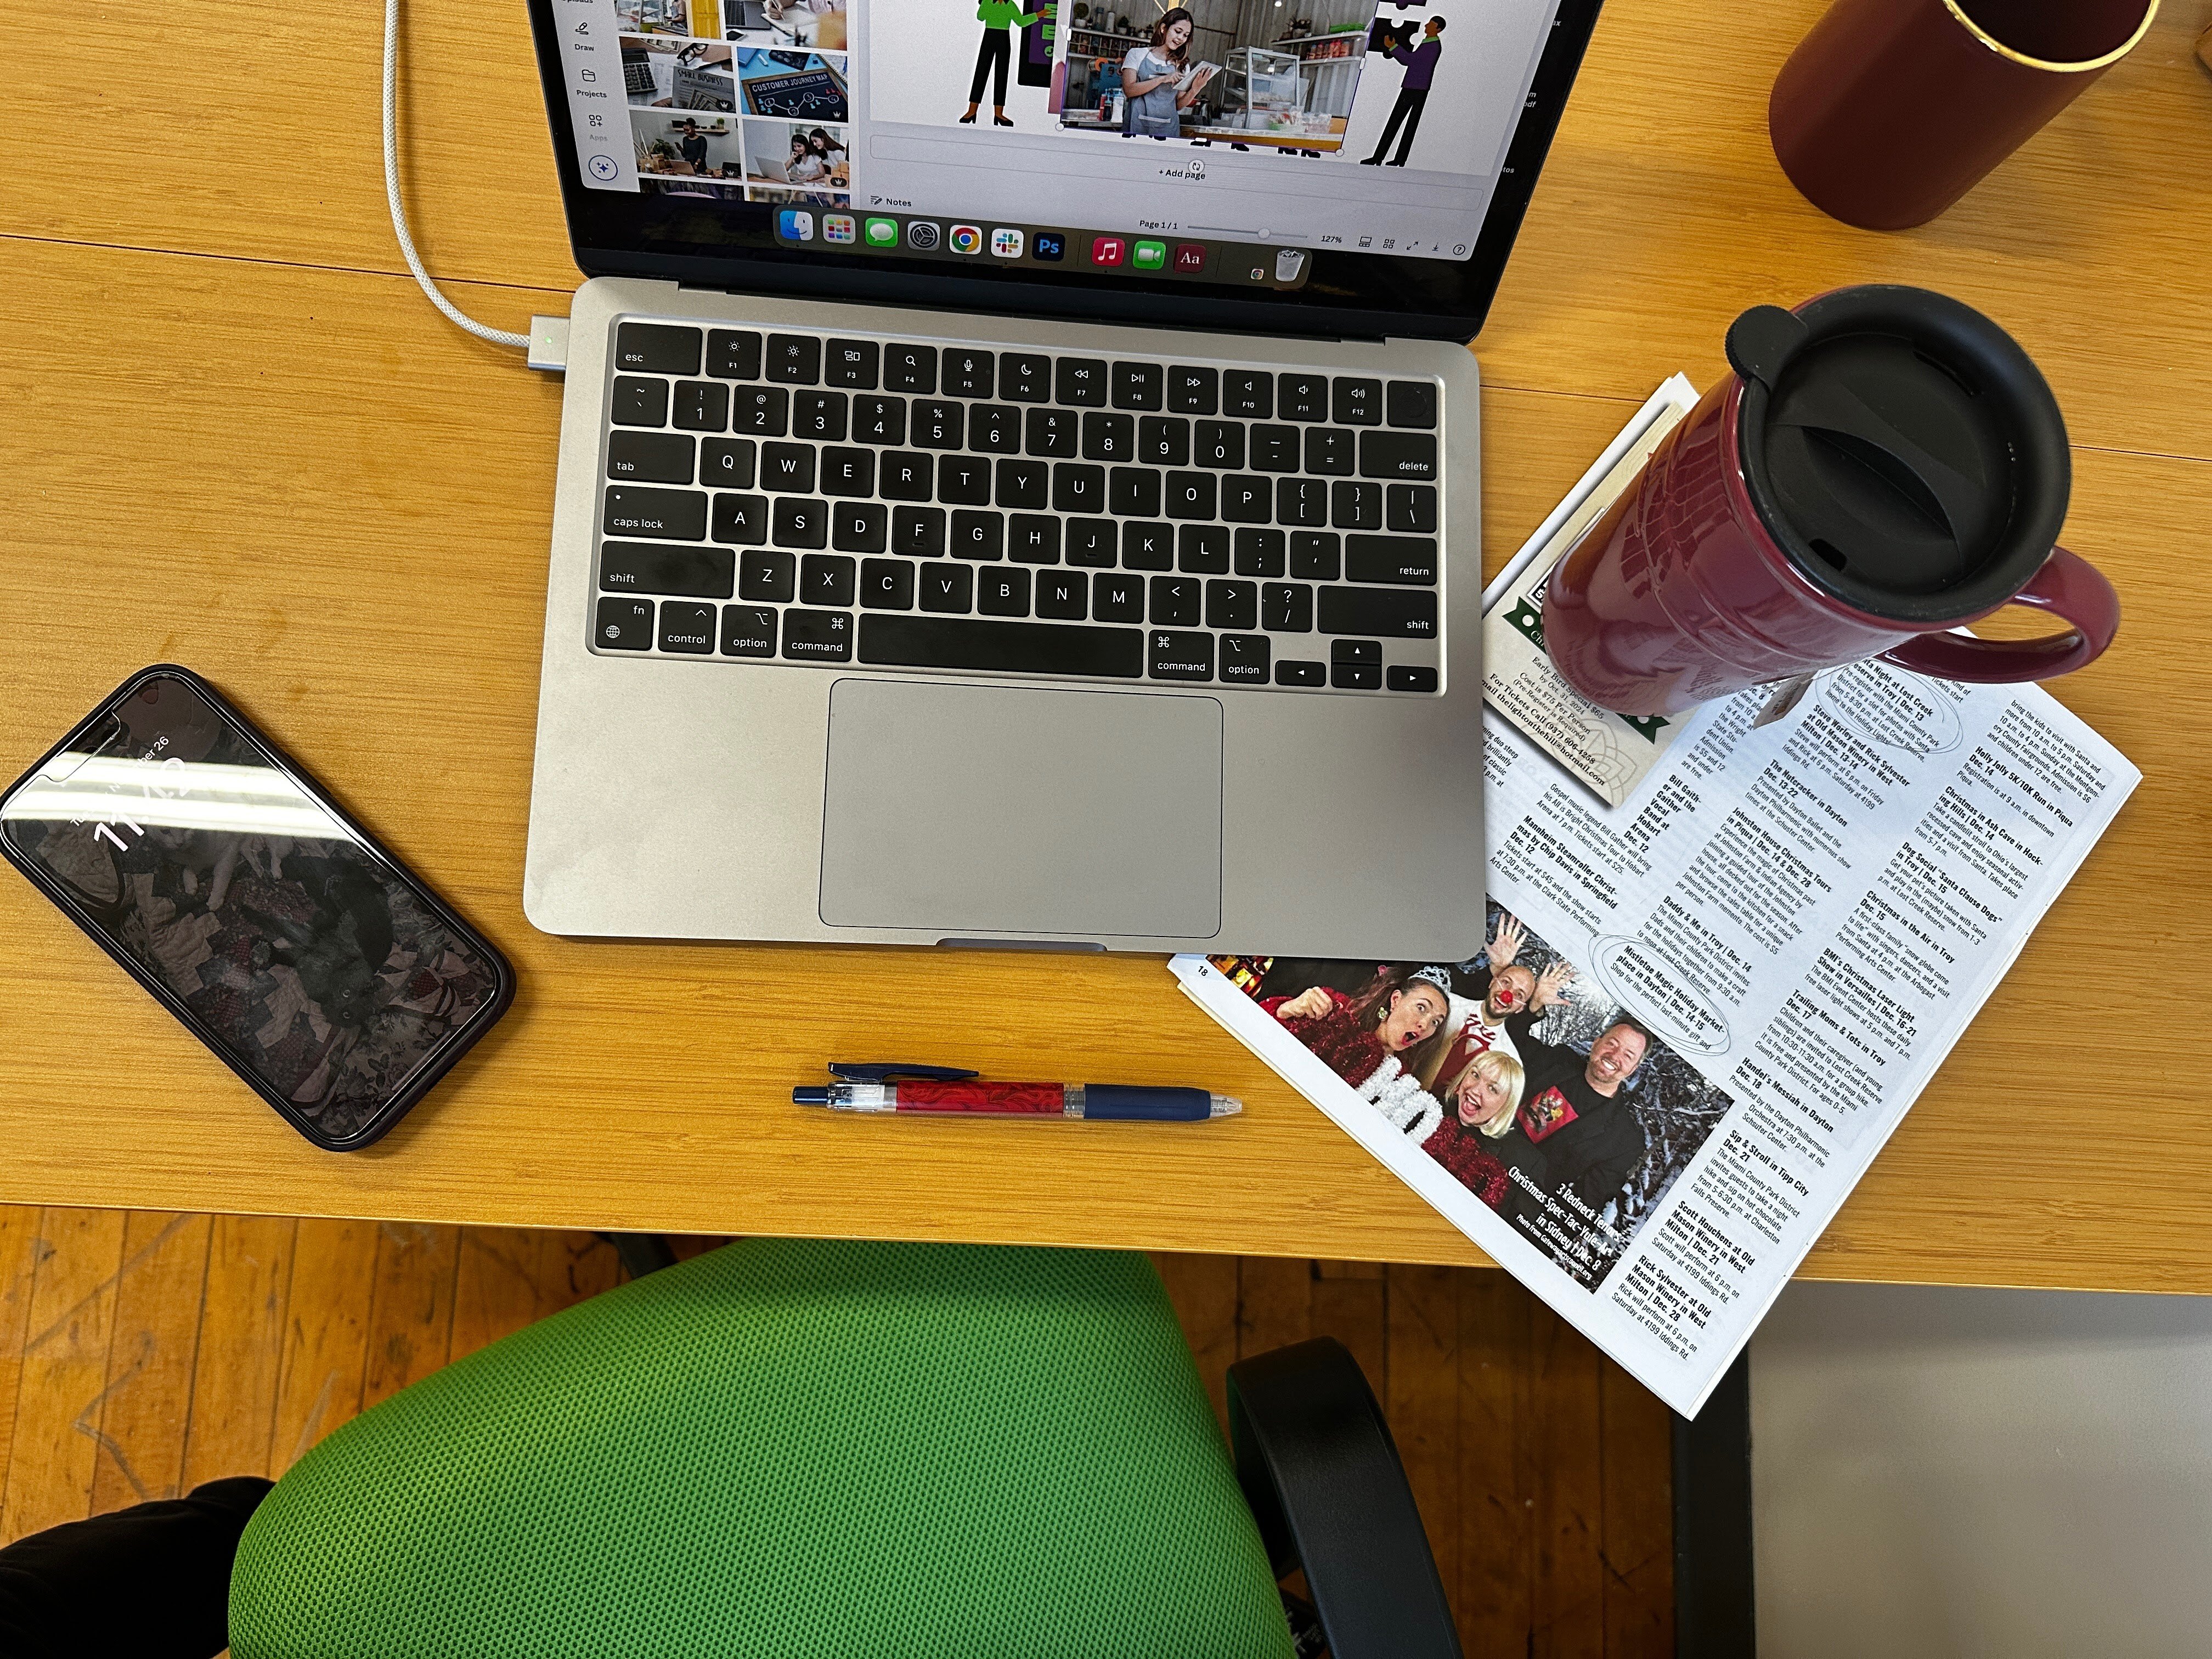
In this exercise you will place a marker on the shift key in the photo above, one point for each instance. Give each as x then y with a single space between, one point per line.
1379 612
700 573
1398 455
677 515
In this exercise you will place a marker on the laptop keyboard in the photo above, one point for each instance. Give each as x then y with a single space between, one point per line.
821 499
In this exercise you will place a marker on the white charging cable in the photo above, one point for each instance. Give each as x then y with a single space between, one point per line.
496 336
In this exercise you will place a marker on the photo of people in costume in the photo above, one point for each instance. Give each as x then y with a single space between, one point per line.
1555 1107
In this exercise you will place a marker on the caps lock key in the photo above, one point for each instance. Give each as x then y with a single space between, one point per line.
678 515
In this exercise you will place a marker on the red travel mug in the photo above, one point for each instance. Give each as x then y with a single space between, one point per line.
1891 110
1884 465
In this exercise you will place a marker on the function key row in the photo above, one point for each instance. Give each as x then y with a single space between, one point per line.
1022 376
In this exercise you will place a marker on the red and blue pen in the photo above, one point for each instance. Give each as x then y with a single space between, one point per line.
951 1091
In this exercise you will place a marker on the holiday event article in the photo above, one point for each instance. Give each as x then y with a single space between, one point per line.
1516 1072
1699 1014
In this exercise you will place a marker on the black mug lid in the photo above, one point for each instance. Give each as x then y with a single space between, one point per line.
1901 448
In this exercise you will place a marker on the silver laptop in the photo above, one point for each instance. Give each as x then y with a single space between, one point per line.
1064 536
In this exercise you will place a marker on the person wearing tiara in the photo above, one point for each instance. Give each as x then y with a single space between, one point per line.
1376 1040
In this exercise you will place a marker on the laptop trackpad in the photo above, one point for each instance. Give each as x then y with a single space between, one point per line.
1073 815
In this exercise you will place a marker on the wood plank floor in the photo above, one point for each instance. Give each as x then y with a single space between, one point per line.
142 1354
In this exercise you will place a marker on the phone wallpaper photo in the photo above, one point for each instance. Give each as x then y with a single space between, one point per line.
303 955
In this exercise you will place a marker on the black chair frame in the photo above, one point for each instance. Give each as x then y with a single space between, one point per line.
1322 1476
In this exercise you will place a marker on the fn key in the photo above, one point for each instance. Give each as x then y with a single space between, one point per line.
623 624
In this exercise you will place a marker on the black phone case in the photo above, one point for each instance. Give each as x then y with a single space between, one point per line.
435 1066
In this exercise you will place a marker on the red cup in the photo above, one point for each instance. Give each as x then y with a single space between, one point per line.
1891 110
1884 465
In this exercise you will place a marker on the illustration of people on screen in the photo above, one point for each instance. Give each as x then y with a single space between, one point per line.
1420 62
1152 79
995 52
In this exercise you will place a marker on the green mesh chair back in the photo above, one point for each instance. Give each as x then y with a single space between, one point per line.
813 1450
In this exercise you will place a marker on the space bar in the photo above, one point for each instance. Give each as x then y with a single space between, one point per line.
1002 647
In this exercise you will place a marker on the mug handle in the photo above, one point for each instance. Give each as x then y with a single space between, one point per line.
2068 587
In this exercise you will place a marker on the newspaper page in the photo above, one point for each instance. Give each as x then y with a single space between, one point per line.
1702 1011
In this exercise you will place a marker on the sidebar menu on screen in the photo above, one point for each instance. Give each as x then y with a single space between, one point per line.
598 102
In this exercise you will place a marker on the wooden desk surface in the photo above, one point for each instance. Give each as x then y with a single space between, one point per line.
235 438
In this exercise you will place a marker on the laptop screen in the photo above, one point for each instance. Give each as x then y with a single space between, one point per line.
1371 154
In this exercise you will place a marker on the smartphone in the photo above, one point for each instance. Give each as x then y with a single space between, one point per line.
247 902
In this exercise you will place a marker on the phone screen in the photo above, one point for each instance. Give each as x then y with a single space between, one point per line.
303 953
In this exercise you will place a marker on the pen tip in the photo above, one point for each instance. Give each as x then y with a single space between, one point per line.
1226 1106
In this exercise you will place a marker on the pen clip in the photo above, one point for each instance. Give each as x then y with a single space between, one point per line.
846 1071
